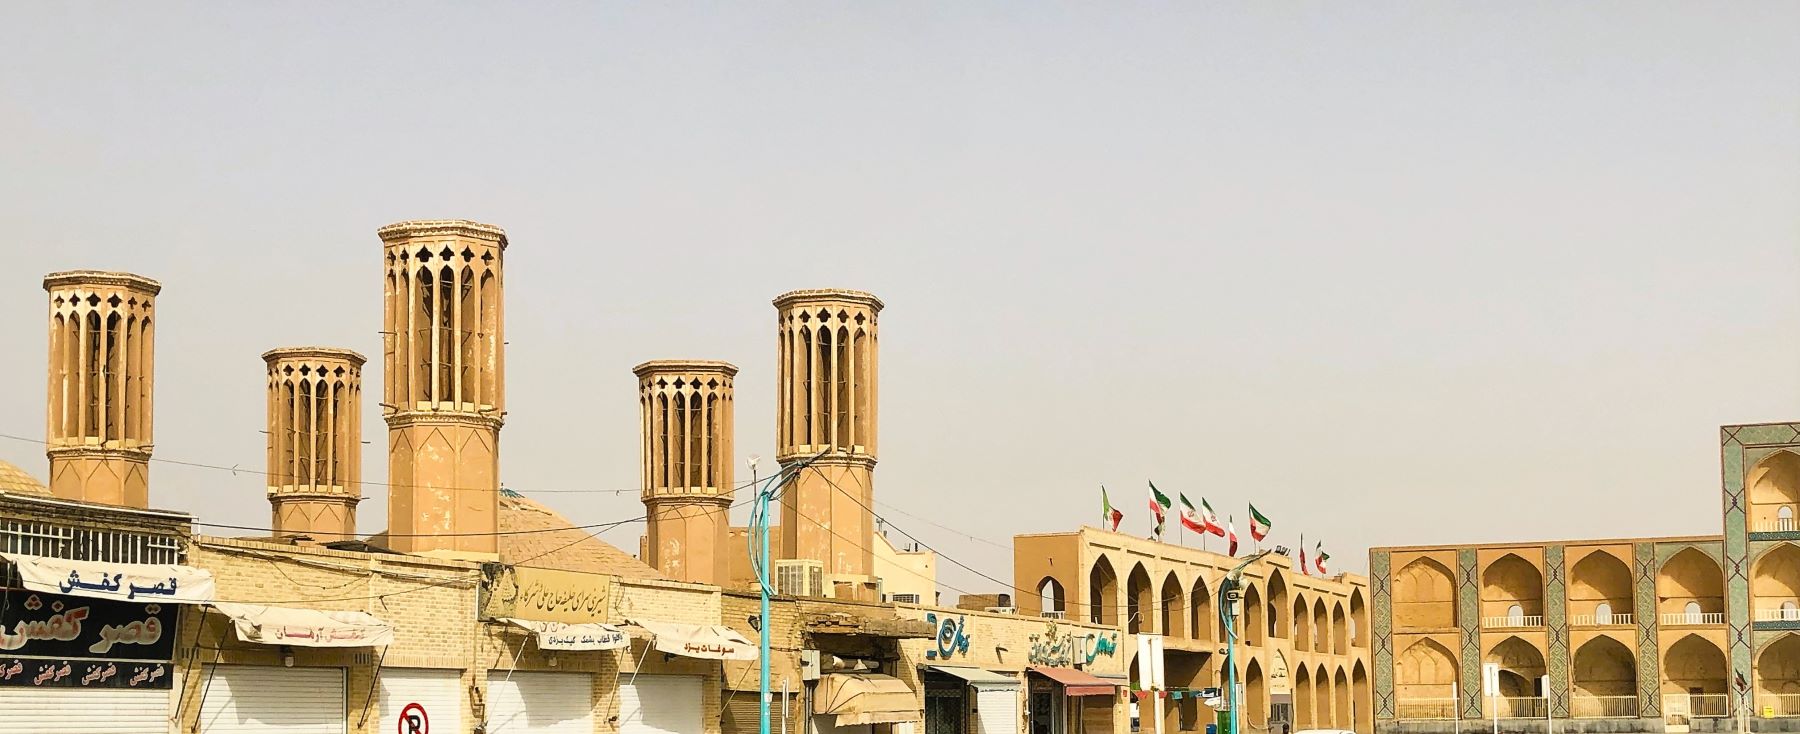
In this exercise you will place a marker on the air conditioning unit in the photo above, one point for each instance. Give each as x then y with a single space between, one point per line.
1002 610
800 578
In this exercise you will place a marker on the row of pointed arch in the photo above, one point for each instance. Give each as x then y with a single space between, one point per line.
1315 622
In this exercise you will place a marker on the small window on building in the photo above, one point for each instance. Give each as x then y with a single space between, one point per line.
1603 614
1693 612
906 598
1515 615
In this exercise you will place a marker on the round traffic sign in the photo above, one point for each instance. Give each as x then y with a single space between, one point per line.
413 720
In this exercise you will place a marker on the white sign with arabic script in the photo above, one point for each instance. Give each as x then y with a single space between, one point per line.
559 636
134 582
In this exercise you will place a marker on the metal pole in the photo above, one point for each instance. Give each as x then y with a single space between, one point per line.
1455 715
1231 689
762 582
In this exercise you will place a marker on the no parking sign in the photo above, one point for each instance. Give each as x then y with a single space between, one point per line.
413 720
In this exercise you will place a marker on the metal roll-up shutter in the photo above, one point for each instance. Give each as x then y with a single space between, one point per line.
89 711
437 692
997 709
537 702
256 699
659 704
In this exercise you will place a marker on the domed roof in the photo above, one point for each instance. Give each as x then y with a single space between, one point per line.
14 479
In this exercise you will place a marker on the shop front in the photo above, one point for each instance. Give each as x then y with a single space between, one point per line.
87 646
992 673
266 692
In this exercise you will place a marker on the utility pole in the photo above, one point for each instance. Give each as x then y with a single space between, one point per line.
759 561
1232 598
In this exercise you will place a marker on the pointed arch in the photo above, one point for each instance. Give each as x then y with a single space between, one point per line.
1424 596
1778 667
1173 603
1773 485
1321 623
1341 711
1140 602
1103 593
1321 697
1694 663
1605 667
1050 596
1776 577
1279 624
1599 588
1303 632
1521 664
1200 621
1511 581
1425 670
1340 630
1303 699
1690 577
1359 688
1256 695
1255 629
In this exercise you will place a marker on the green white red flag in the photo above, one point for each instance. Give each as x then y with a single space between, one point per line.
1159 506
1211 518
1259 525
1109 517
1231 536
1190 517
1319 558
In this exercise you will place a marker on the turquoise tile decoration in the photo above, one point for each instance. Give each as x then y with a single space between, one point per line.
1468 620
1649 673
1381 599
1556 630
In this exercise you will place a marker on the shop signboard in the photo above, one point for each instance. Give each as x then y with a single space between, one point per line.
53 640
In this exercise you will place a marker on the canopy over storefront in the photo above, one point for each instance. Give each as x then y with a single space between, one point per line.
976 676
561 636
865 698
134 582
1077 683
707 642
306 627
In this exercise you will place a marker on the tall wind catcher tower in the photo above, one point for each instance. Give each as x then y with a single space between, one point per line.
102 359
315 441
828 366
444 388
687 409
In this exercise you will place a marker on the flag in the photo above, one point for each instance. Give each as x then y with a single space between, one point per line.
1231 534
1191 518
1211 518
1159 504
1319 558
1259 525
1109 517
1305 569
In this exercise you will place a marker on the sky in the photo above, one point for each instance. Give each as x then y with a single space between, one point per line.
1398 273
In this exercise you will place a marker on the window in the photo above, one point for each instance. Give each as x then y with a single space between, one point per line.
906 598
1515 615
1603 614
1693 612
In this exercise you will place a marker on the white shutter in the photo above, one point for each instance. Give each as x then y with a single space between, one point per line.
254 699
84 711
997 709
660 704
536 702
438 691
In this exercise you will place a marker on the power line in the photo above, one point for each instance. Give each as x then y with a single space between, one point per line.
239 469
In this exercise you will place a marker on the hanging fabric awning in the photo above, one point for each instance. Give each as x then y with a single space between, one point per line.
134 582
708 642
978 677
560 636
1077 683
306 627
865 698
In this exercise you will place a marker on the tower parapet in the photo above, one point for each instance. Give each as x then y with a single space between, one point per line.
99 408
315 441
687 409
828 367
444 368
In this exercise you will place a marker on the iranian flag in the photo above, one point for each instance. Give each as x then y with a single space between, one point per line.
1159 506
1109 517
1190 517
1319 557
1231 536
1259 525
1304 568
1211 518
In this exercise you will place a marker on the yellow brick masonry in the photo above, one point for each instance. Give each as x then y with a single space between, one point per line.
1002 643
432 604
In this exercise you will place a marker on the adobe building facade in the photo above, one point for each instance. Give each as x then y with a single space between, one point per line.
1637 634
1303 653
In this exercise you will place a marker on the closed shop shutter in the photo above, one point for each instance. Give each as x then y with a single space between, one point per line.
738 713
90 711
255 699
997 710
438 692
534 702
659 704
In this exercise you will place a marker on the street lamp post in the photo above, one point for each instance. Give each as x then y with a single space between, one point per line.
1229 590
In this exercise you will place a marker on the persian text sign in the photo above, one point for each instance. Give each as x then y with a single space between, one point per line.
124 581
65 673
57 626
550 595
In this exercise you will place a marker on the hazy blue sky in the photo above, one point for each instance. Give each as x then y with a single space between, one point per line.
1398 272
